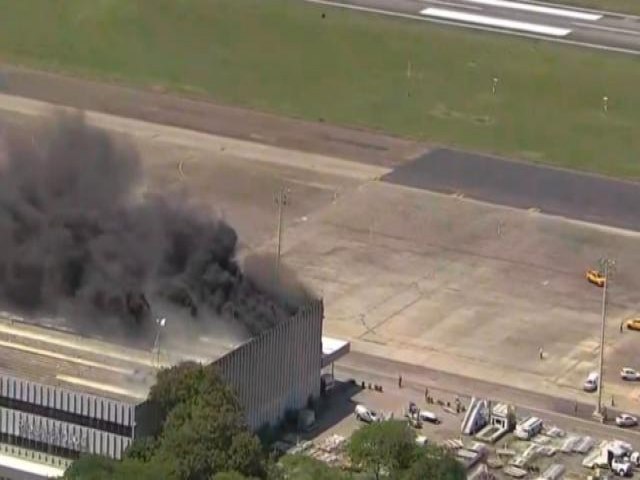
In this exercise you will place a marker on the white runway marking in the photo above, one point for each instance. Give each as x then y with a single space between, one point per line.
495 22
528 7
452 4
606 29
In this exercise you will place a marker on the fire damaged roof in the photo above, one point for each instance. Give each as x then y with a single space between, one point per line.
58 358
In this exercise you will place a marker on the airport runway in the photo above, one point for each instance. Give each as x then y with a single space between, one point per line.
588 28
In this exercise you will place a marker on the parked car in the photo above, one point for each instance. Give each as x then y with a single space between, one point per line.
633 324
366 415
621 467
430 417
595 277
591 383
628 373
626 420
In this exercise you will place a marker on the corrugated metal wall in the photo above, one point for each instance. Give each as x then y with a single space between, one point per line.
28 427
69 401
279 369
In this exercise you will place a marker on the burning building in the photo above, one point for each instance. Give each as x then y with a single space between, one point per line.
90 262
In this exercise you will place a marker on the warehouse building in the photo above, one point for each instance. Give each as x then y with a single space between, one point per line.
66 395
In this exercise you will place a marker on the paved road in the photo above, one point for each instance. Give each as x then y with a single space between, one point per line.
555 191
559 411
589 28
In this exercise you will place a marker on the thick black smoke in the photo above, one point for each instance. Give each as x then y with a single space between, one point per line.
80 239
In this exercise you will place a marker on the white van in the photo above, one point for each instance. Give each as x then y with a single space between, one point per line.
528 428
591 383
366 415
429 417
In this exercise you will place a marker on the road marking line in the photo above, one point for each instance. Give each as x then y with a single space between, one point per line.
408 16
452 4
528 7
606 29
495 22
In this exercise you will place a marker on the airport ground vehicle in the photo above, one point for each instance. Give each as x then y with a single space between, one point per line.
591 383
633 324
366 415
626 420
528 428
595 277
628 373
621 467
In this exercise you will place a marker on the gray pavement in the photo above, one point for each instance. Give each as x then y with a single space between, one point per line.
440 384
558 192
607 31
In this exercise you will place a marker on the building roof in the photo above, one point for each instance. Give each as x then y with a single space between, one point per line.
35 468
61 358
333 349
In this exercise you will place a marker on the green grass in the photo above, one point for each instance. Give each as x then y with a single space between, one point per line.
351 69
621 6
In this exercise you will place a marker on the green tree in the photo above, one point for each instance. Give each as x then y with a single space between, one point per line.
228 476
301 467
434 463
93 467
202 432
383 447
205 430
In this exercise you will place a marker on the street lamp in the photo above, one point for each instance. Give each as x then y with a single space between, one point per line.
282 200
160 322
607 267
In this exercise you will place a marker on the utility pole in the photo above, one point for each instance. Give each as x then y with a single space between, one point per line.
282 201
160 322
607 266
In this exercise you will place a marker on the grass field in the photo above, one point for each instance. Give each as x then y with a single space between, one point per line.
408 78
622 6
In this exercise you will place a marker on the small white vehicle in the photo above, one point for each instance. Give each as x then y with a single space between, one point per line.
366 415
626 420
591 383
429 417
621 467
629 374
635 458
528 428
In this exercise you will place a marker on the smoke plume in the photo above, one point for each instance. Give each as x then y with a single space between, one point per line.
80 239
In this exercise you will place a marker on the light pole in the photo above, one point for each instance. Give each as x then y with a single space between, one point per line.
282 201
160 322
607 265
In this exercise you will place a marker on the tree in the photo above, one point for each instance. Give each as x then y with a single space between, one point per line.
383 447
301 467
228 476
205 431
93 467
434 463
201 431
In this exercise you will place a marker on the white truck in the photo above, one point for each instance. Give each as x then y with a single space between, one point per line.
528 428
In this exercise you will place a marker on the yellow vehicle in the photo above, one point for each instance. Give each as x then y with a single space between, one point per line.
595 277
633 324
